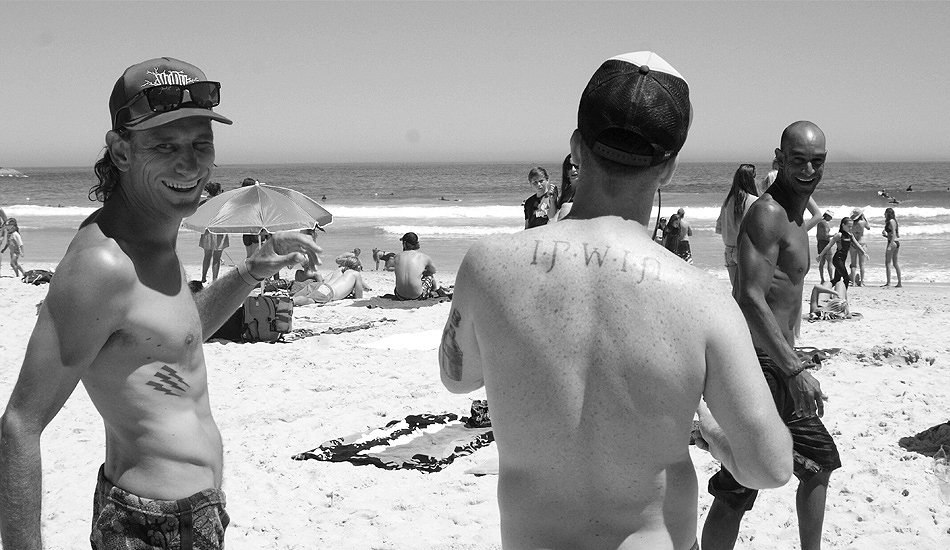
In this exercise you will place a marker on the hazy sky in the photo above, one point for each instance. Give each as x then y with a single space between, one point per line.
479 81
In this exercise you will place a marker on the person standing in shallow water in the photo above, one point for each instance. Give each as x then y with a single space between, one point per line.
593 430
892 234
120 317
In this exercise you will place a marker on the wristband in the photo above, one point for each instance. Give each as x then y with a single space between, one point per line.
245 274
796 372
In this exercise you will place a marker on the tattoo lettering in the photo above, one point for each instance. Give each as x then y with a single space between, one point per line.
537 244
596 251
593 256
450 353
170 382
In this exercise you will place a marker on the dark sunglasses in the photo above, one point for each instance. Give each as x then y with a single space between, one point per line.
168 97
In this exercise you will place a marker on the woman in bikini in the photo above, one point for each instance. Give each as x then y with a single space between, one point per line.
892 233
844 241
343 282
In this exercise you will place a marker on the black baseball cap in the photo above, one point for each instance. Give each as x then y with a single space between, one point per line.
635 110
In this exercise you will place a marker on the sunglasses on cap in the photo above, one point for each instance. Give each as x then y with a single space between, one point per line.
204 94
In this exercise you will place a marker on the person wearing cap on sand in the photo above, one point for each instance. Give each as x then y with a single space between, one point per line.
593 430
415 272
120 318
858 228
823 234
773 261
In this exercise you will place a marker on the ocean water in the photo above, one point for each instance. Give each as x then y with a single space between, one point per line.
451 206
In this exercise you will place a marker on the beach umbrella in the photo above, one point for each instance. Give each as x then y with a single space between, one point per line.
255 207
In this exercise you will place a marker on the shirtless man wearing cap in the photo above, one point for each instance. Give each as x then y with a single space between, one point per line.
773 262
593 429
120 318
415 272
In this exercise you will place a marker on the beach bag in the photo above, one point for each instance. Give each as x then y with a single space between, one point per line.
267 318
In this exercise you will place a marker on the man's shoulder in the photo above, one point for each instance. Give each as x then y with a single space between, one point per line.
94 257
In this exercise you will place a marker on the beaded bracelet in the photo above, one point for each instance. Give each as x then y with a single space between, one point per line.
245 274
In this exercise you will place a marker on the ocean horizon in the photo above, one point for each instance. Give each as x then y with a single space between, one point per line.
452 205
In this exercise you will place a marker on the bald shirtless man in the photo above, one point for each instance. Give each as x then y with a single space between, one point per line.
593 429
120 318
773 260
415 272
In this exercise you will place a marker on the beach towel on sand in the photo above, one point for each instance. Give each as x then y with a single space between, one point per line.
425 442
928 441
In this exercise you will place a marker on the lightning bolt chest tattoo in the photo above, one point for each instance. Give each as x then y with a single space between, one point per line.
168 381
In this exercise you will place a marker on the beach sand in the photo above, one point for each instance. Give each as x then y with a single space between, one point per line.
891 379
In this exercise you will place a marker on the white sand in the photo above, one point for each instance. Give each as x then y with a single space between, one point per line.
272 401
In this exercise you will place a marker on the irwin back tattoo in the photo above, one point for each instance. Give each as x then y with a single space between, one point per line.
550 254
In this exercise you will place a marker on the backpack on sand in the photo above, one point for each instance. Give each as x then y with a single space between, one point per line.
267 318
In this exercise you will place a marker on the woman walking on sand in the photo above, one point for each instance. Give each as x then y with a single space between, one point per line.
892 233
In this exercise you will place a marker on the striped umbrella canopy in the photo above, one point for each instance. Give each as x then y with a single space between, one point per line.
255 207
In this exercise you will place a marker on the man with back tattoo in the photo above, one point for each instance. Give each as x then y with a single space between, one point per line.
592 392
119 317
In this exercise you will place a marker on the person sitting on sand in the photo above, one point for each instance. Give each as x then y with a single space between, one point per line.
343 282
829 302
593 429
415 272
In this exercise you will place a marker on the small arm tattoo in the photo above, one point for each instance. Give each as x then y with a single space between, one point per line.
450 352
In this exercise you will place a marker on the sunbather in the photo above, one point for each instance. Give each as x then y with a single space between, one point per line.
343 282
829 302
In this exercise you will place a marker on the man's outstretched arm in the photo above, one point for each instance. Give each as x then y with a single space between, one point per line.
222 298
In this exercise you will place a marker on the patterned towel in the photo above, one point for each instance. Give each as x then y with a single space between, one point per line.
424 442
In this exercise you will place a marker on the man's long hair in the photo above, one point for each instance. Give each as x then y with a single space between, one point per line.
107 173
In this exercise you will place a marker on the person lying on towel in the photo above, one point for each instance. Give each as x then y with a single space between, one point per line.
343 282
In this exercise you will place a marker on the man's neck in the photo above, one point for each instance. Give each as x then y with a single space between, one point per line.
793 203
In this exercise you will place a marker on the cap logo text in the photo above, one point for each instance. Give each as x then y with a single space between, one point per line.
168 77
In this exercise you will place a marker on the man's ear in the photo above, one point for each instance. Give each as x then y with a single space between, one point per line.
779 157
576 156
120 150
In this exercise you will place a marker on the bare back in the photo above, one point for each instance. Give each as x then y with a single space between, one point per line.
591 384
409 266
134 336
